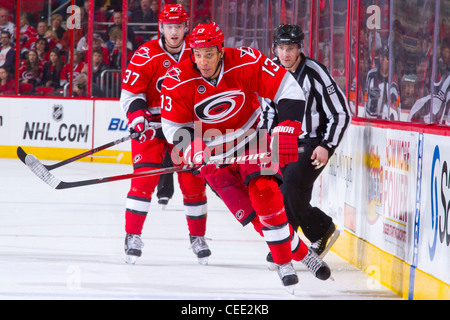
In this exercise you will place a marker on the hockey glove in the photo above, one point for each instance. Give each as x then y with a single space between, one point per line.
198 153
285 141
139 122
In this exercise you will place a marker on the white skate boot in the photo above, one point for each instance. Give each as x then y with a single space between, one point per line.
133 247
200 249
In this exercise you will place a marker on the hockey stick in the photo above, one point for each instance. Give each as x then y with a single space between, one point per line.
22 154
44 174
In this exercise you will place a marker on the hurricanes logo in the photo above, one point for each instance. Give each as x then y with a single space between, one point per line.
220 107
240 214
174 74
141 57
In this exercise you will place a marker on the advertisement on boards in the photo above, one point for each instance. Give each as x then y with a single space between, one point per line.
434 228
57 123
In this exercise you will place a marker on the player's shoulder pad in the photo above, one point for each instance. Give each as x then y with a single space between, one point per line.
144 53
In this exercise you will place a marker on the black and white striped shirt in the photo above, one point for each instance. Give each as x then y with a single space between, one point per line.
327 114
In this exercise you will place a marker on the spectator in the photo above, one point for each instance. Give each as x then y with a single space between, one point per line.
433 108
52 39
41 28
7 83
78 33
5 24
117 23
30 70
113 34
67 70
116 55
382 98
144 15
154 6
27 32
444 61
42 49
51 74
55 25
98 66
97 43
31 42
7 54
80 87
436 108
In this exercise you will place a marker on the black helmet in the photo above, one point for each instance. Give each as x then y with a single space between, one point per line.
288 34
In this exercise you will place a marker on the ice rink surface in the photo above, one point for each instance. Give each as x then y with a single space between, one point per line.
68 245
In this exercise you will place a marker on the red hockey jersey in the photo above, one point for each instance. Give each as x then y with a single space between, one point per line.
67 71
145 74
227 111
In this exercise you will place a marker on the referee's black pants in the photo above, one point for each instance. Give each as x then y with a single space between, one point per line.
298 182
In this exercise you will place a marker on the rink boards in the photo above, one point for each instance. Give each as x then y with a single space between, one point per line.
387 189
56 129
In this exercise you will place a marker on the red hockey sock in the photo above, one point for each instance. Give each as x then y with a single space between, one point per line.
134 223
138 202
267 201
197 227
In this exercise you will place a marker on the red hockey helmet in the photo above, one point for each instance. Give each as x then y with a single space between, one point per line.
173 13
206 35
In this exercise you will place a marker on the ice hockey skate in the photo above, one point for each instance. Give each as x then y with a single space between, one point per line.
288 276
324 244
133 248
316 265
312 261
200 249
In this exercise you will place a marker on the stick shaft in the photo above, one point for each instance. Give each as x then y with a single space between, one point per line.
44 174
22 154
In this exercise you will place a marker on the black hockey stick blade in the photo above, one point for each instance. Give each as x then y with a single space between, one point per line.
21 154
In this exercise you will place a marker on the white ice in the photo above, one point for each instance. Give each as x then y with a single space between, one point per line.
68 244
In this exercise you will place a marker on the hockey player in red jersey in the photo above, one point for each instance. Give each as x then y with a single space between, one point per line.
140 100
210 110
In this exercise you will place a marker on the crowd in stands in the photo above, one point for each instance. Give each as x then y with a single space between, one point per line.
45 45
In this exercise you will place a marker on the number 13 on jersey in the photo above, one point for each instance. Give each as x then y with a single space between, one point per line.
166 103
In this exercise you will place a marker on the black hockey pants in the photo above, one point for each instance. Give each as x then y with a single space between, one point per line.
298 182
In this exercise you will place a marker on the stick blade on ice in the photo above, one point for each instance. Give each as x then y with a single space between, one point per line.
40 171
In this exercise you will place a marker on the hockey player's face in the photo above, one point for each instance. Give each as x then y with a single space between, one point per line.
174 33
288 54
207 61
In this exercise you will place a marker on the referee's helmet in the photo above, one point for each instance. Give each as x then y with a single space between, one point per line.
288 34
